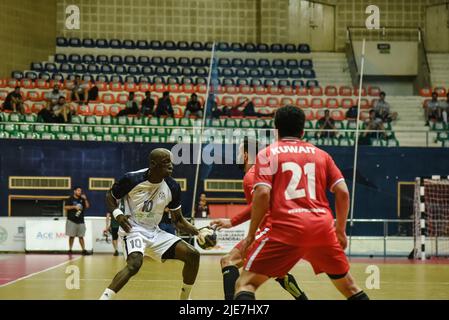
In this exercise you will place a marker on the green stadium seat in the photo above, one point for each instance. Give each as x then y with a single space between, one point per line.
124 121
169 122
71 129
90 137
142 121
107 137
54 128
154 122
41 128
117 130
25 128
77 137
91 120
48 136
131 131
15 117
392 142
108 120
31 118
377 142
245 123
100 130
122 138
77 120
139 138
230 123
4 135
63 136
445 144
213 123
85 130
438 126
145 131
154 139
32 135
10 127
185 122
442 136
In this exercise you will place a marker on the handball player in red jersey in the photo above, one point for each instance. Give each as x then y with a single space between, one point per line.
290 184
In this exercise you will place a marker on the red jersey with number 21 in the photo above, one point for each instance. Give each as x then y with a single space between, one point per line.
299 174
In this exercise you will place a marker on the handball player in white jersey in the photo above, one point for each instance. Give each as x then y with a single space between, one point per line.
137 202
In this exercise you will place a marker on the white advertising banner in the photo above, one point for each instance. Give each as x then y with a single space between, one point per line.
226 238
50 235
12 234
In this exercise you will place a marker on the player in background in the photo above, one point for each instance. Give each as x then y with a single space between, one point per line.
137 202
233 261
112 226
291 179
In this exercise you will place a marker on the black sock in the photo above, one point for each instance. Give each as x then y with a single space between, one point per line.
359 296
230 276
245 295
288 282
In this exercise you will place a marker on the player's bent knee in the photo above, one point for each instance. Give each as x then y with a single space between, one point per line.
134 263
193 256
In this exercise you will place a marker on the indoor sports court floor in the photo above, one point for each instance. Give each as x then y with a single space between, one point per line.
35 276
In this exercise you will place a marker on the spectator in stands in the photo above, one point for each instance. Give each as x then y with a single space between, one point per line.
79 91
53 96
61 112
131 106
326 122
75 227
92 93
164 107
215 112
374 124
193 107
382 109
14 101
351 114
112 226
432 109
147 105
249 110
202 210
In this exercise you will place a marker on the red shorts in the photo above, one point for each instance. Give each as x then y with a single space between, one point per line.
275 259
259 234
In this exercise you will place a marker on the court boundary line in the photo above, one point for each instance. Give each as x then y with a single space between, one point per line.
38 272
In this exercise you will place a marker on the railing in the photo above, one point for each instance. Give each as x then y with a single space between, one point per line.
352 62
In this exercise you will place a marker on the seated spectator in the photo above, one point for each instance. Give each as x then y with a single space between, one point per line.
249 110
61 112
147 108
14 101
193 107
432 109
444 106
53 96
326 122
164 107
215 112
131 107
79 91
382 109
202 211
351 114
374 124
92 93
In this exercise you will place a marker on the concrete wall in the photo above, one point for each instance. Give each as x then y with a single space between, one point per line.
27 33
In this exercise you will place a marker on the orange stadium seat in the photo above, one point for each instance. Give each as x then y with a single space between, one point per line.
287 102
159 87
356 92
101 110
441 91
232 89
316 91
258 102
425 92
302 91
182 100
3 83
28 108
246 89
115 86
338 115
320 113
331 91
37 107
33 96
138 97
67 84
178 111
108 98
115 109
228 101
272 102
260 90
317 103
122 98
345 91
102 86
42 84
274 90
174 88
288 91
302 102
3 94
12 83
188 88
374 91
201 88
131 87
347 103
27 84
84 110
310 115
332 103
365 103
144 87
240 100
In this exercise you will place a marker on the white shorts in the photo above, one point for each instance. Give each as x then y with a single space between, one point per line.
152 243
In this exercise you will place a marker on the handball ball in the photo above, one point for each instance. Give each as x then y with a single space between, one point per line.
210 238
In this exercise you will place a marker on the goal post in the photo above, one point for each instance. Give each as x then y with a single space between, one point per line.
431 217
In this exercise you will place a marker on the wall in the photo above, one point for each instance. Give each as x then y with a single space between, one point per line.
27 33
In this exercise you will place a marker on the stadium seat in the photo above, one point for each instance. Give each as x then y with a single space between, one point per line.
302 102
332 103
173 87
129 44
278 64
288 91
347 103
197 46
263 47
249 47
88 43
102 43
364 104
115 44
44 76
272 102
303 48
223 46
228 101
159 80
345 91
236 46
441 91
302 91
85 110
36 66
274 90
256 82
317 103
117 60
159 87
295 73
356 92
276 48
310 115
61 42
264 63
246 89
155 45
107 98
27 83
75 42
316 91
102 59
184 61
374 91
88 58
308 74
115 109
183 45
122 98
292 64
312 83
260 90
169 45
250 63
144 61
284 83
142 45
173 80
331 91
134 70
281 74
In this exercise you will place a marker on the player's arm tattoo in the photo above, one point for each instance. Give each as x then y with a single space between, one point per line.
111 202
181 223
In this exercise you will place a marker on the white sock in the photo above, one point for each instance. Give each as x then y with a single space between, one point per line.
185 291
108 294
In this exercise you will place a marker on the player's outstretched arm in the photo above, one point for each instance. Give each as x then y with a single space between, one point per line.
239 218
341 209
182 224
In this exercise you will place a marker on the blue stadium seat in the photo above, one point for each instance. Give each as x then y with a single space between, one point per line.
184 61
306 64
65 67
17 75
198 62
75 42
129 44
37 66
57 77
60 58
173 80
309 74
237 63
94 68
44 75
241 73
226 72
31 75
187 72
224 62
79 68
170 61
169 45
276 47
303 48
116 78
118 60
88 58
201 80
270 83
254 73
201 72
223 46
242 82
298 83
183 45
284 83
278 64
102 43
102 78
160 71
147 70
131 79
207 62
144 79
267 73
88 43
102 59
295 73
155 45
61 42
250 63
250 47
131 60
159 79
142 45
228 82
50 67
134 70
292 64
263 47
157 61
236 46
144 61
197 46
115 44
75 58
256 82
120 69
312 83
281 74
187 80
208 46
174 71
264 63
88 77
289 47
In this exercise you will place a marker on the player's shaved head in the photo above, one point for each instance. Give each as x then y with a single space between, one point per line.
161 164
159 154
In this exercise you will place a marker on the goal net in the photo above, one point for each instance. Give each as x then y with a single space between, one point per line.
431 212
